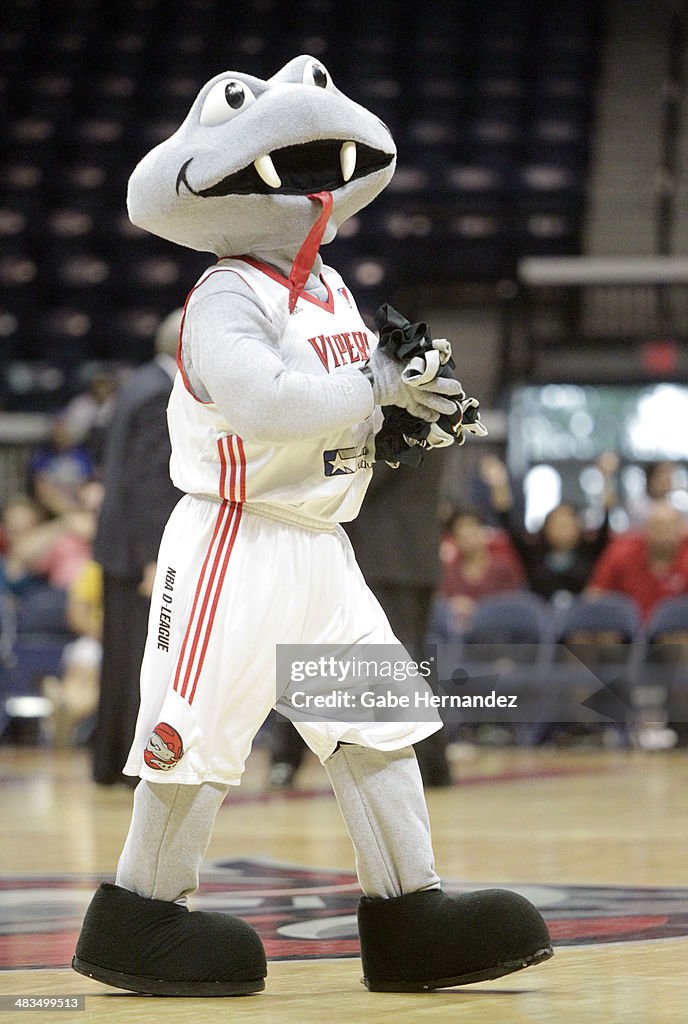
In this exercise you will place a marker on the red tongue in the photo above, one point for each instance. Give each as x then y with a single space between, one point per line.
305 257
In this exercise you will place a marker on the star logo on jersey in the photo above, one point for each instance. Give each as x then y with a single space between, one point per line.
345 295
340 461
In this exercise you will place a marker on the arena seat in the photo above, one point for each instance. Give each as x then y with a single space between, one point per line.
34 636
503 649
661 689
593 657
489 101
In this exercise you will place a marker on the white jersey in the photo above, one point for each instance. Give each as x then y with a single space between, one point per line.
323 478
253 557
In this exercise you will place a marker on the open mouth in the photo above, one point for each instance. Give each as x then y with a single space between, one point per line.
298 170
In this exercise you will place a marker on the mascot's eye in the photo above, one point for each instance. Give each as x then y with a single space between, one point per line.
319 76
235 95
225 100
315 74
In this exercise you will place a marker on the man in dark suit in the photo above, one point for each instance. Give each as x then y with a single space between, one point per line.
139 497
396 539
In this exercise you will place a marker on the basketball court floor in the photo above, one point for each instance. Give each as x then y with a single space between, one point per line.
597 839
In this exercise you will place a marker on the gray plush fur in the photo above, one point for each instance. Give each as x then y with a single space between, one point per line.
286 112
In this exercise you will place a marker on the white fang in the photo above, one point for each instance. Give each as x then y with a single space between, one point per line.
347 158
266 169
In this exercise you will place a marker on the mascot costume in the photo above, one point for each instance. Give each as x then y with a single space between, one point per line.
273 417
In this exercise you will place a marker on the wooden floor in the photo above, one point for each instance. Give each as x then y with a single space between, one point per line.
516 818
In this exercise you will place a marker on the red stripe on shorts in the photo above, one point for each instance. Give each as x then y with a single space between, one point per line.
220 553
223 466
221 516
216 597
242 469
233 467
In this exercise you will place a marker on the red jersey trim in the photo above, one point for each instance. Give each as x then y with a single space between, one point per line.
284 281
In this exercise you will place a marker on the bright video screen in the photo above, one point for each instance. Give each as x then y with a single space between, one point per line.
558 431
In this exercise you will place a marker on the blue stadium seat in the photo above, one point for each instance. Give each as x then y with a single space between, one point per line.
662 684
500 89
33 637
518 618
503 649
593 657
602 613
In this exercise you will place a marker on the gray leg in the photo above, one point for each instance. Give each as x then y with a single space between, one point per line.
380 795
168 837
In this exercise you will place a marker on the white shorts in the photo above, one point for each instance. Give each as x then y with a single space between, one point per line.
232 583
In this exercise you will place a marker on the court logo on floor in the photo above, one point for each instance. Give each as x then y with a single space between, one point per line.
306 913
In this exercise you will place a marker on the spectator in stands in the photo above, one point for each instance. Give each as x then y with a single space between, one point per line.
661 484
74 695
87 416
56 549
59 469
20 517
660 479
476 563
562 554
43 557
139 497
647 565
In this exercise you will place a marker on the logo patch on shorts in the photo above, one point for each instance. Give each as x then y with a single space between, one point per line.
164 748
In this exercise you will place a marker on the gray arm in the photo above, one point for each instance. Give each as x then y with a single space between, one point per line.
231 357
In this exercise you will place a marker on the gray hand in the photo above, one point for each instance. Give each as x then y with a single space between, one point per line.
426 401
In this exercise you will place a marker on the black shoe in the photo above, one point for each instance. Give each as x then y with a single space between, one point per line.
427 940
162 948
